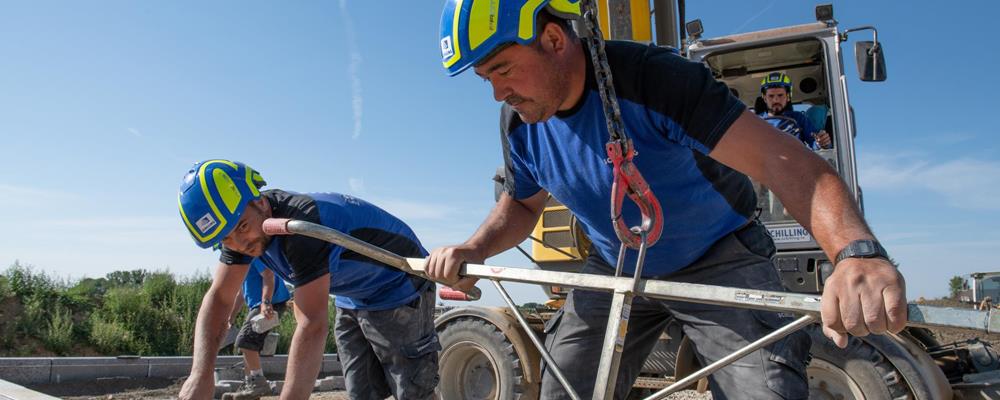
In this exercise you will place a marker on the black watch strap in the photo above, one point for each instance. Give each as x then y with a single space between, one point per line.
865 248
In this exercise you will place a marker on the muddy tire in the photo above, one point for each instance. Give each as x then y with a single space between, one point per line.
477 362
857 372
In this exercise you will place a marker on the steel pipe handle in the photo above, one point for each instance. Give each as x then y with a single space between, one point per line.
285 226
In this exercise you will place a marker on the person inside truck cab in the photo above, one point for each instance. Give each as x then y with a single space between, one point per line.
776 90
384 325
696 145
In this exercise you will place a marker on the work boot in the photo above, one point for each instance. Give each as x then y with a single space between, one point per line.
254 387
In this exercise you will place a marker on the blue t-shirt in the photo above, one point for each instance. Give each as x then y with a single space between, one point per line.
358 282
805 125
675 112
253 286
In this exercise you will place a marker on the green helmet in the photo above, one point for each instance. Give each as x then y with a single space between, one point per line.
776 80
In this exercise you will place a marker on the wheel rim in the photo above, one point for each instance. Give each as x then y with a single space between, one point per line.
470 371
830 382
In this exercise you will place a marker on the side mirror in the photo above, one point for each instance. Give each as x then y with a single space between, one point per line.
871 60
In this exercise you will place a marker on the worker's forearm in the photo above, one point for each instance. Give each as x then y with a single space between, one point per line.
818 198
508 224
208 332
305 357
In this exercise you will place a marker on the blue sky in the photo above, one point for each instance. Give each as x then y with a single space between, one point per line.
103 107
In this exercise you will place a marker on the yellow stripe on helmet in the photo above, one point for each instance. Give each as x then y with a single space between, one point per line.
565 6
208 196
483 21
227 189
454 37
526 20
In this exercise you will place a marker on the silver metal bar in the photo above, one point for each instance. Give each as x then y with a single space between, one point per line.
618 316
807 304
614 343
724 361
538 343
281 226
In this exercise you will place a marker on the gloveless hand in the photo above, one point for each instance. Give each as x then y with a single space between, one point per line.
862 296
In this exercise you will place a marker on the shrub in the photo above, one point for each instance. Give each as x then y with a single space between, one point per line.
127 278
25 283
58 335
113 338
5 291
159 287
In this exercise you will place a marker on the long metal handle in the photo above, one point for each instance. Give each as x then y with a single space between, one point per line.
799 303
284 226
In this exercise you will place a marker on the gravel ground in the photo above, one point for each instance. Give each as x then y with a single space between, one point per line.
156 389
164 389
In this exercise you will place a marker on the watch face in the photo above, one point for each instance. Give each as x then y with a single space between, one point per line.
865 247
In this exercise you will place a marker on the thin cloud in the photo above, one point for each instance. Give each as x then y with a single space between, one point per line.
134 132
24 195
965 182
754 17
411 210
357 185
354 69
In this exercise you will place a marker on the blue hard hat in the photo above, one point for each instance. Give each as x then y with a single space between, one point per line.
471 30
212 197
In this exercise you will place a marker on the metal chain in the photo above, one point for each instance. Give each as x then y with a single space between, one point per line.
627 179
605 85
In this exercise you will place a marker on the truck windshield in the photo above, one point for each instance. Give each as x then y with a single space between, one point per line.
804 111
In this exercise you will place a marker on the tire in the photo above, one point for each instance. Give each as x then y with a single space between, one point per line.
477 362
858 372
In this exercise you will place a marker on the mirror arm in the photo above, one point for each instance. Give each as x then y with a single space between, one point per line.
843 35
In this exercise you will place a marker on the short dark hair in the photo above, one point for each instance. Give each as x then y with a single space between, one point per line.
545 17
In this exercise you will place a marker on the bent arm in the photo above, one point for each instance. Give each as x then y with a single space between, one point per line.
810 189
209 328
267 285
508 224
305 357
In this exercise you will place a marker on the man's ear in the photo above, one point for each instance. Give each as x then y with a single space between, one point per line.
262 206
553 38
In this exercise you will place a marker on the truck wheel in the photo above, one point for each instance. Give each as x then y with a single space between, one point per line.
478 362
857 372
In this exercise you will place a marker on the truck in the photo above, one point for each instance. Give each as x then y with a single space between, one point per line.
486 354
980 287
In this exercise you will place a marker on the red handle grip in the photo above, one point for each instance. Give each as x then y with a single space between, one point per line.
447 293
276 226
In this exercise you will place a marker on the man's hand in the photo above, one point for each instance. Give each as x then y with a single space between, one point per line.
267 309
862 296
444 263
824 140
198 386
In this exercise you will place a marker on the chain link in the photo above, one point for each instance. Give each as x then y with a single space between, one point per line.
626 177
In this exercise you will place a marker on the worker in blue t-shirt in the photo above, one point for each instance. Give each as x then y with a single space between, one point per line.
264 294
776 90
384 325
696 147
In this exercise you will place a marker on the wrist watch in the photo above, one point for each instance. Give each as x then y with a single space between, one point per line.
865 248
266 302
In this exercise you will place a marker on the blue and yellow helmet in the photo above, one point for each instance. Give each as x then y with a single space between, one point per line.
776 80
212 198
471 30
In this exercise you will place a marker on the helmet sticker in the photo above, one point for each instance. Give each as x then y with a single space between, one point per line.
446 50
205 223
